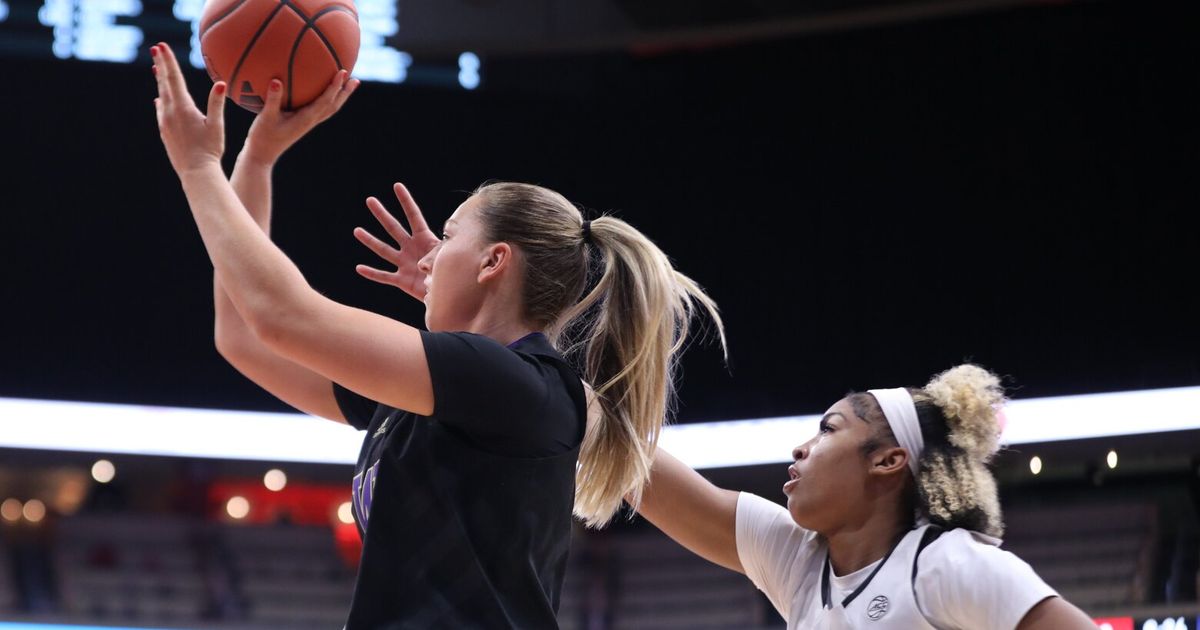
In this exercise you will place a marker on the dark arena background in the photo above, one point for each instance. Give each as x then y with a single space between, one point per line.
872 191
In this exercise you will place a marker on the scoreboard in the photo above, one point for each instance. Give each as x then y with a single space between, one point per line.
121 31
1178 622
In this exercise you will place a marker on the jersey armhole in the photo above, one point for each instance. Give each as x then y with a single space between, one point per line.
932 533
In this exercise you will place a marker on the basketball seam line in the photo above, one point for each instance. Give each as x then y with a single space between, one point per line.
262 27
227 13
311 24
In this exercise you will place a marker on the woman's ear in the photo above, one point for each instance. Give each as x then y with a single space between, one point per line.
496 260
889 460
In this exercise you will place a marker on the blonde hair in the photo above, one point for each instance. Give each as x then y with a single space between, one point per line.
954 486
629 328
957 411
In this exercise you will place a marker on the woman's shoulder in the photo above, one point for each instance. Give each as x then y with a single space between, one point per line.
962 550
761 519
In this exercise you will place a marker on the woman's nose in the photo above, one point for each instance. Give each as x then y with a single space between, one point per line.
799 453
425 265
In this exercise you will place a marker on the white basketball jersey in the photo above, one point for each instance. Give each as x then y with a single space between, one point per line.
885 599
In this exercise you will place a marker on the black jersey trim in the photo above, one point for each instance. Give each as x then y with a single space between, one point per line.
825 589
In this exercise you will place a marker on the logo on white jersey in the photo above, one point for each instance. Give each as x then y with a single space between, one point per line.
877 608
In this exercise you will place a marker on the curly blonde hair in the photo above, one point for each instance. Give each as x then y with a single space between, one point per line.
957 411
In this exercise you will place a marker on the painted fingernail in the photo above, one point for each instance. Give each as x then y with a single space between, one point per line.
220 88
154 51
276 85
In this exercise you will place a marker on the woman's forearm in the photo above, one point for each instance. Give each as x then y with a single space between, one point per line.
251 182
261 282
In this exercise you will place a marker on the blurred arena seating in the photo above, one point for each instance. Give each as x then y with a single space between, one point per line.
8 595
123 567
662 585
167 571
289 576
1098 556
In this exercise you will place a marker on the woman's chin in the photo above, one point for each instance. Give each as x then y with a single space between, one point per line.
797 511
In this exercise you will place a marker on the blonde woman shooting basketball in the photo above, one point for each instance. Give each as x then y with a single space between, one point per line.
477 445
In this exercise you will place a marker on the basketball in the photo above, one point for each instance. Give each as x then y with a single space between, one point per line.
303 43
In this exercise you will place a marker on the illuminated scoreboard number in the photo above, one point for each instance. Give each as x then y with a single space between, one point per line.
119 31
88 29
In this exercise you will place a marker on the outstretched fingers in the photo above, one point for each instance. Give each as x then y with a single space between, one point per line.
412 212
389 222
381 249
376 275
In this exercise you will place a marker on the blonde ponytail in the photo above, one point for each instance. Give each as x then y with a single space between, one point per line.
641 310
627 331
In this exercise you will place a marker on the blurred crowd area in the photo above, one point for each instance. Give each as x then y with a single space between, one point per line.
167 543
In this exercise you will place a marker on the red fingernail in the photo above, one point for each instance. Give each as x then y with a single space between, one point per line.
220 88
154 69
276 85
154 51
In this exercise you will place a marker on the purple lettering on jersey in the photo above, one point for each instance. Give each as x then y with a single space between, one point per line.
356 495
362 490
369 491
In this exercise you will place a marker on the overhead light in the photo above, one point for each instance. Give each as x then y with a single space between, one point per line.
275 480
1035 464
237 507
34 511
103 471
10 510
345 513
1112 459
253 436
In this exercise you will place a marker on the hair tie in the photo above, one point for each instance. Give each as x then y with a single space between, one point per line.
587 232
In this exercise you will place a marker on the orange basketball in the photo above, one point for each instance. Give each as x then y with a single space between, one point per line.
303 43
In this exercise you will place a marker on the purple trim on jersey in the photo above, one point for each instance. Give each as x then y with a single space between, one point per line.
514 344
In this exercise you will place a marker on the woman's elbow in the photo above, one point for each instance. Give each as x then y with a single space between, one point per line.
231 342
270 331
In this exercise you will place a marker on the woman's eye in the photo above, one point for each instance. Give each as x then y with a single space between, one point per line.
825 428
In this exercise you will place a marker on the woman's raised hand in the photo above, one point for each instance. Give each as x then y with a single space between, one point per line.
275 130
192 139
411 247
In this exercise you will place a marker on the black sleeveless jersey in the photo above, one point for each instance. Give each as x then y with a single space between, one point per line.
466 514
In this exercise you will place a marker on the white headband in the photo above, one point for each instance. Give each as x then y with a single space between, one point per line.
901 414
